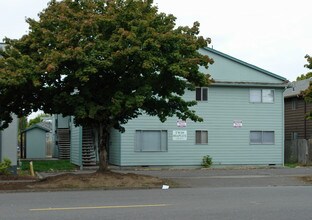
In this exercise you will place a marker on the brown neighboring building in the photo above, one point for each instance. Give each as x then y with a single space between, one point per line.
296 124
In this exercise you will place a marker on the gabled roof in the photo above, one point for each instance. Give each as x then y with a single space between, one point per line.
245 63
297 88
45 126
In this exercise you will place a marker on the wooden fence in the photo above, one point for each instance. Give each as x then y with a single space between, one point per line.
298 151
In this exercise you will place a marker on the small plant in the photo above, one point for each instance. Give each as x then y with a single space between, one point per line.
4 166
207 161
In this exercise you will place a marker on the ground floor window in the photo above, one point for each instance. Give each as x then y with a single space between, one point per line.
261 137
151 140
201 137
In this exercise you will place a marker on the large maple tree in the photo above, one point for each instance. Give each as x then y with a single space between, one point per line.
103 62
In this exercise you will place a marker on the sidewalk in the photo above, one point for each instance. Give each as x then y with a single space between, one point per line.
218 177
233 177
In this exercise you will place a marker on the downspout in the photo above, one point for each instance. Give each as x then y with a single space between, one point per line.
80 147
283 129
305 120
25 146
0 146
21 145
288 85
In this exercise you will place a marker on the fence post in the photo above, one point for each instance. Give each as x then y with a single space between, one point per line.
298 151
302 151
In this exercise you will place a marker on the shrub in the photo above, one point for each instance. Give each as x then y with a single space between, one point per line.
4 166
206 161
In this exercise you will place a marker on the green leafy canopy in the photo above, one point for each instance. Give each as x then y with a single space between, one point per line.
308 92
308 65
102 62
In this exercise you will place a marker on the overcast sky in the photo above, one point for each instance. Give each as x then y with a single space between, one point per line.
272 34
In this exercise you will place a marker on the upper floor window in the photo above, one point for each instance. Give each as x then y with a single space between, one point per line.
202 94
261 95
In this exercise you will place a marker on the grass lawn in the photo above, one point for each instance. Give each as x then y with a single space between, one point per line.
48 165
291 165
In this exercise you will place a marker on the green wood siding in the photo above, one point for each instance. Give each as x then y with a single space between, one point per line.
8 142
226 144
114 147
36 143
233 70
228 102
63 122
76 145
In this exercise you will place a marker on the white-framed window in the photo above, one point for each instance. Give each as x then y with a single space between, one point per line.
262 137
202 94
151 140
261 95
201 137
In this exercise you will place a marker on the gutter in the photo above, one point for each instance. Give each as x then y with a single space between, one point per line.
284 85
305 120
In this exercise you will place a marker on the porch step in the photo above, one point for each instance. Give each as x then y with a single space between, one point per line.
88 148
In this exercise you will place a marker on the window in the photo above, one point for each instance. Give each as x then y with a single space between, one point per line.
255 95
201 94
294 104
261 95
261 137
294 136
201 137
151 140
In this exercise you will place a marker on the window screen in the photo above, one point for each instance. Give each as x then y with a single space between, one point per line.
151 140
261 95
262 137
268 95
255 95
201 137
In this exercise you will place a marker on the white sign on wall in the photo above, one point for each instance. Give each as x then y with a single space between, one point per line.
179 135
237 123
181 123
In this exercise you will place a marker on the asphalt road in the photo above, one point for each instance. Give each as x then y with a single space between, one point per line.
280 202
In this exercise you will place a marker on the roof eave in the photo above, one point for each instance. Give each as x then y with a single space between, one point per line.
284 85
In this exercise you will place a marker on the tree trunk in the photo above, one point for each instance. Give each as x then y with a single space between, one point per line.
103 140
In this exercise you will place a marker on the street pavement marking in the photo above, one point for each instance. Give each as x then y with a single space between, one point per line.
100 207
236 176
225 177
